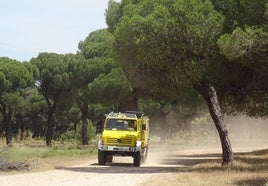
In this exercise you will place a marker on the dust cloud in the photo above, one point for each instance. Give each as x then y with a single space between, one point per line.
248 132
200 133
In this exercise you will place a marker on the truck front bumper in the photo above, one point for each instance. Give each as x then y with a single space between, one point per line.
103 147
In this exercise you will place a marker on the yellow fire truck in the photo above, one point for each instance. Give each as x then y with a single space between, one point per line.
124 134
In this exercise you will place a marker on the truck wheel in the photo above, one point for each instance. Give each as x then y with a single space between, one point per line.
137 159
101 157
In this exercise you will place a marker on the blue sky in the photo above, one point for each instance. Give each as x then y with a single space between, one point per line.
28 27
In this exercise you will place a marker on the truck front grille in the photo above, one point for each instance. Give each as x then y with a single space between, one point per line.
126 141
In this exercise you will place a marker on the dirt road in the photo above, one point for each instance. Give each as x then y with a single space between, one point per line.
120 172
86 174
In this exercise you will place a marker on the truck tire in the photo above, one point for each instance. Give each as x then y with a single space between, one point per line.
101 157
137 159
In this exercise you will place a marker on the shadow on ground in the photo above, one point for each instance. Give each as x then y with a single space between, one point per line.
168 164
253 182
183 163
190 160
124 168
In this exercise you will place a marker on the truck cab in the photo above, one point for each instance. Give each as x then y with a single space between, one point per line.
124 134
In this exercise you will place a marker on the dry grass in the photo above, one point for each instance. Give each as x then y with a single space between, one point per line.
210 179
38 157
248 169
256 161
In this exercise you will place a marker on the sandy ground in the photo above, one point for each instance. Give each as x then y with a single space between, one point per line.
161 164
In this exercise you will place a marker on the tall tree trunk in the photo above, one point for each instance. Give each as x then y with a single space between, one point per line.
84 111
210 96
7 129
36 125
50 126
7 126
131 104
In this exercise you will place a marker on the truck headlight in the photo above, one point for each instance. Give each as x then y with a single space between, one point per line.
132 149
104 148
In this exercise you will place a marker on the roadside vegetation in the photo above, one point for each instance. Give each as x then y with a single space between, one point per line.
34 155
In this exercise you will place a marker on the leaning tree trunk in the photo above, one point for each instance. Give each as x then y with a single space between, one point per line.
210 96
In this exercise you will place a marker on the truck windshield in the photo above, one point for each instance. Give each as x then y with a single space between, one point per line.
121 124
